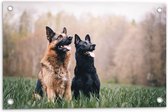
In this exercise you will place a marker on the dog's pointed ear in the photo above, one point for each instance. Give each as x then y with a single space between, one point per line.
87 38
77 39
50 33
64 30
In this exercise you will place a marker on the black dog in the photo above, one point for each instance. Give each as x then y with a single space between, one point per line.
86 79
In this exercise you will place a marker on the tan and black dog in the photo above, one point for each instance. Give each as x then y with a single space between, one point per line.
54 77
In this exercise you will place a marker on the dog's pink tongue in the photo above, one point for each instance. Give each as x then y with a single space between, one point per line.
92 54
68 47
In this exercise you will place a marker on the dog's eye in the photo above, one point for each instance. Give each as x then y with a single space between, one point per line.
85 43
59 37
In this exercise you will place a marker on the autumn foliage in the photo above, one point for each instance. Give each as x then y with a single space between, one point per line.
132 52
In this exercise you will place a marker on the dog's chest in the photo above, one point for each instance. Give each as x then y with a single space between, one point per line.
60 80
59 85
56 80
84 81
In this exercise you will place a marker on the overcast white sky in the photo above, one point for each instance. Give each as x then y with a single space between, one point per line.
128 9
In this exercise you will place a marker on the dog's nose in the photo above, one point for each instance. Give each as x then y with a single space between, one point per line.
94 45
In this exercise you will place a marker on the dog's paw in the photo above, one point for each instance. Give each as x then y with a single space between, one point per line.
36 96
68 97
51 100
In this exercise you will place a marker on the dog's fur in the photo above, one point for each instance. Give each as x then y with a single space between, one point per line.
54 76
86 79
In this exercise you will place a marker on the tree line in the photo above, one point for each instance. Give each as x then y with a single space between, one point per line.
126 51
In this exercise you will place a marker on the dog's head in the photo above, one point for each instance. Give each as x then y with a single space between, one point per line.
58 42
84 47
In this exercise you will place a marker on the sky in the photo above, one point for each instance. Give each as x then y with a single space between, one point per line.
129 10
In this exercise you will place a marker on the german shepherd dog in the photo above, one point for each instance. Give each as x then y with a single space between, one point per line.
54 77
86 79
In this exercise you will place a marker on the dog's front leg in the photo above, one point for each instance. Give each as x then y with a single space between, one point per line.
67 94
51 95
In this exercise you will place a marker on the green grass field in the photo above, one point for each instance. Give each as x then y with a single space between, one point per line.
111 96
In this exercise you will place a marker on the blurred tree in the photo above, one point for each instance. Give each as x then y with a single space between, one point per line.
133 22
25 24
154 28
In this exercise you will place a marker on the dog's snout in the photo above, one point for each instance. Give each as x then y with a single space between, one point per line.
93 46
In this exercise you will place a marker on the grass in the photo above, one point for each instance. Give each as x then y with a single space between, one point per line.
21 89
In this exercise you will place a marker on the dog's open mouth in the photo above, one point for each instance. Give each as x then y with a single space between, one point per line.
90 53
66 47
